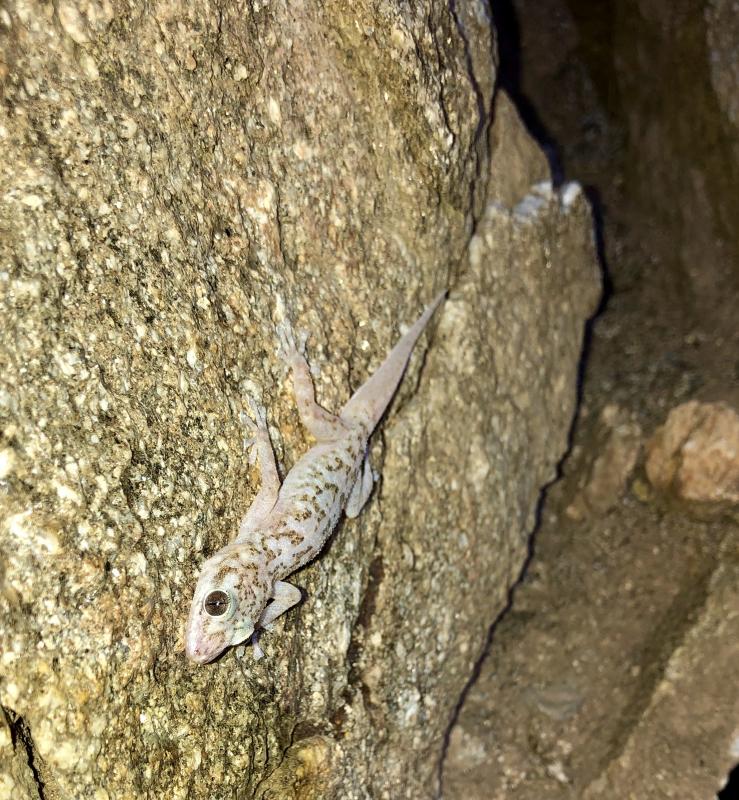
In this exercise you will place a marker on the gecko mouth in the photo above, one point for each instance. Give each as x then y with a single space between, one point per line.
203 649
203 652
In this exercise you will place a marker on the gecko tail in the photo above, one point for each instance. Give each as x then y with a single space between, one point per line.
368 403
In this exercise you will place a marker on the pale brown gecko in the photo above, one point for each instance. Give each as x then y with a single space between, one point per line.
287 525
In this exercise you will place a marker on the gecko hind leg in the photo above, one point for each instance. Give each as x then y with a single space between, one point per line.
323 425
260 449
361 491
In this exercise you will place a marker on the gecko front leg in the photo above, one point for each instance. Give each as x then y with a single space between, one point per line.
261 448
285 596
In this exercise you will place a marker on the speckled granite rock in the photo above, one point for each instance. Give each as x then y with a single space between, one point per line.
170 178
611 455
695 456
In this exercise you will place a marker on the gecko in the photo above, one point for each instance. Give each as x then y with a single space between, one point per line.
241 589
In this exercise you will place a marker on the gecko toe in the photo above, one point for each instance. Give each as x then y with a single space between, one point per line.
246 420
303 337
249 447
257 650
260 416
285 341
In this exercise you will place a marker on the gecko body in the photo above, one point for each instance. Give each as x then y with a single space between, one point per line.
241 588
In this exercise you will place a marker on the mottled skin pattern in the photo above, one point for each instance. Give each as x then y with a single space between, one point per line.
242 587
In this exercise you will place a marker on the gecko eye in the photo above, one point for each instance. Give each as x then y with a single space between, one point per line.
217 603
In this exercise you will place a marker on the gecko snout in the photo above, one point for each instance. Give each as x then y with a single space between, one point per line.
200 650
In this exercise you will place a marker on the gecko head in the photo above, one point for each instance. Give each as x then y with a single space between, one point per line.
230 595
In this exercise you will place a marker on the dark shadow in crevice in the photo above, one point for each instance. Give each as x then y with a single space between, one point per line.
509 79
477 669
510 72
731 788
508 35
20 735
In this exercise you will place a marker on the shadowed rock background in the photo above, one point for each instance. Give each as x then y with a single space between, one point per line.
174 179
614 673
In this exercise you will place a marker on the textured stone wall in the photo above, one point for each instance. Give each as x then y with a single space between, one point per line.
174 178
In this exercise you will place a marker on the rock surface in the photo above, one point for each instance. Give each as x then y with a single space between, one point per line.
173 181
612 457
668 170
612 674
722 34
693 705
695 455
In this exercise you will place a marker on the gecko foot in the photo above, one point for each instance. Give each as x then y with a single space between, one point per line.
288 346
256 426
257 651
